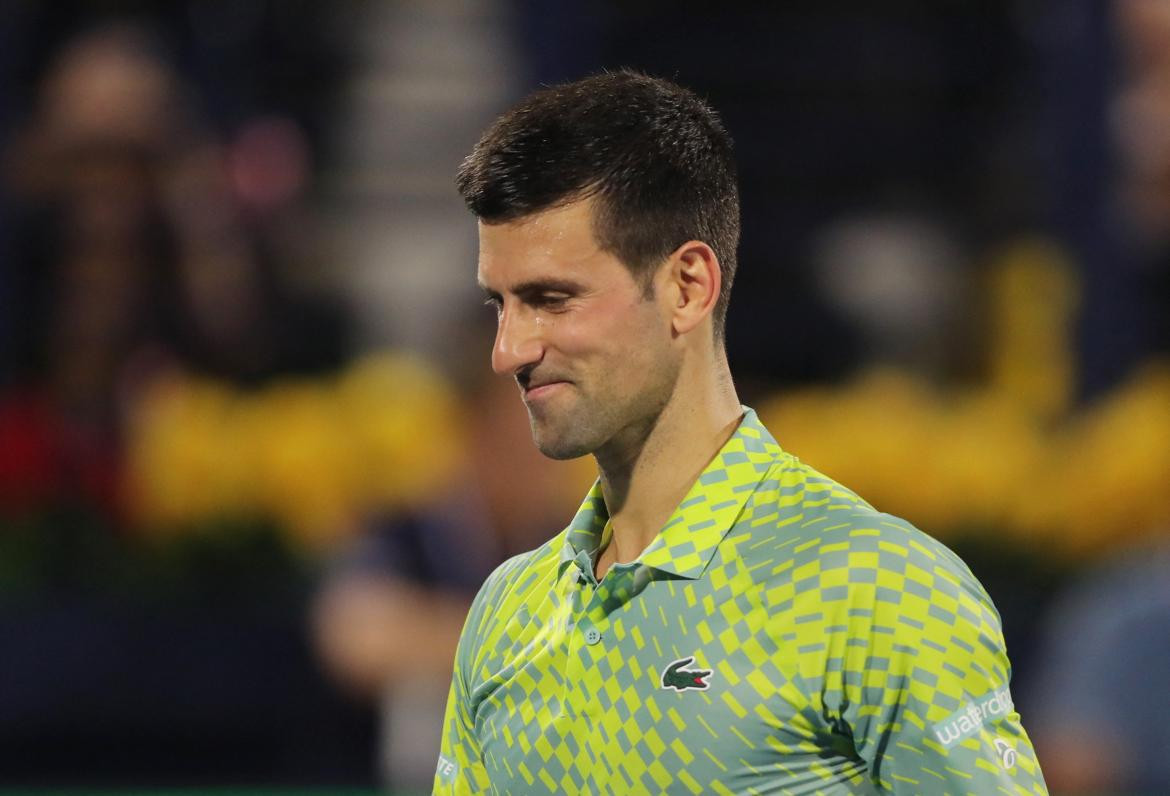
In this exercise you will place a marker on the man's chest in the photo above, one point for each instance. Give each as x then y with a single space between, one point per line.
643 685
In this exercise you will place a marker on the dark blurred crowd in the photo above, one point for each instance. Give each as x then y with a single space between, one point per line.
140 240
238 517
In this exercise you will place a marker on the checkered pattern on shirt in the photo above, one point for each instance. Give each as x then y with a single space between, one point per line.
837 637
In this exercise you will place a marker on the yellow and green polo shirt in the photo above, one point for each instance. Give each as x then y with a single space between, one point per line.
778 636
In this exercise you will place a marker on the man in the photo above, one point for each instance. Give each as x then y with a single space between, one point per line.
718 617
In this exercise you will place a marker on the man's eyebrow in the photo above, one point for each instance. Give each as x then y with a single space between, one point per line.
534 287
550 285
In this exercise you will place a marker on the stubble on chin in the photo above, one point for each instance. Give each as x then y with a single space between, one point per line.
557 440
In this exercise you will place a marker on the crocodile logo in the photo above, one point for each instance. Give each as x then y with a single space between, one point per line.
680 679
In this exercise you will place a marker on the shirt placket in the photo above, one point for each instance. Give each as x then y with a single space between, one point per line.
591 637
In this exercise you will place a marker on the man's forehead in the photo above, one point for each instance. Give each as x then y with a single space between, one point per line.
569 223
556 243
543 272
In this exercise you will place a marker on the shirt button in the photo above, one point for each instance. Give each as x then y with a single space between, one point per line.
592 636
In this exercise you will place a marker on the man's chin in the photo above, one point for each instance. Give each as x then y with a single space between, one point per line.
558 446
562 454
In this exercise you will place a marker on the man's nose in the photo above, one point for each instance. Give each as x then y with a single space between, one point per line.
518 342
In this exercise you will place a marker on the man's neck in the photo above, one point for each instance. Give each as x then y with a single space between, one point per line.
644 481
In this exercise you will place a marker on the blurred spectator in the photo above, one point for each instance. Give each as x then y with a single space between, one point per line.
1141 127
87 267
148 250
1098 702
137 255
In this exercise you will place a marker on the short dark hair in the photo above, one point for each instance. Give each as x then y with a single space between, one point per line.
655 155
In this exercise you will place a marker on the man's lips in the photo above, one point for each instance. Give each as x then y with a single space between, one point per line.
536 391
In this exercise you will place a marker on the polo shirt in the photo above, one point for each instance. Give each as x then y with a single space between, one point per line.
779 635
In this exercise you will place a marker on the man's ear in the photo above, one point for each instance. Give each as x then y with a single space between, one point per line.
694 281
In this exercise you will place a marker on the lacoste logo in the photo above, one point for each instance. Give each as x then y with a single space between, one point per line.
680 679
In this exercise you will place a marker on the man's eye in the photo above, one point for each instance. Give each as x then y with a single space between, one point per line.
494 303
552 300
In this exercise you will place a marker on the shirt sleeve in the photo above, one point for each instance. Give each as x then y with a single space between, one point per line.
925 685
460 769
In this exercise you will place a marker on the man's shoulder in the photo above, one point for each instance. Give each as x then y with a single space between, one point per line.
830 551
522 571
813 517
511 589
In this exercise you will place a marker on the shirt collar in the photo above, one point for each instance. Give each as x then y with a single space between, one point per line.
686 543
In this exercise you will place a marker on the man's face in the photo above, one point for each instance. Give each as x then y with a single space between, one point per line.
590 348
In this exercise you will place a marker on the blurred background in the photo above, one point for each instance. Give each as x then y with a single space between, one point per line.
253 462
